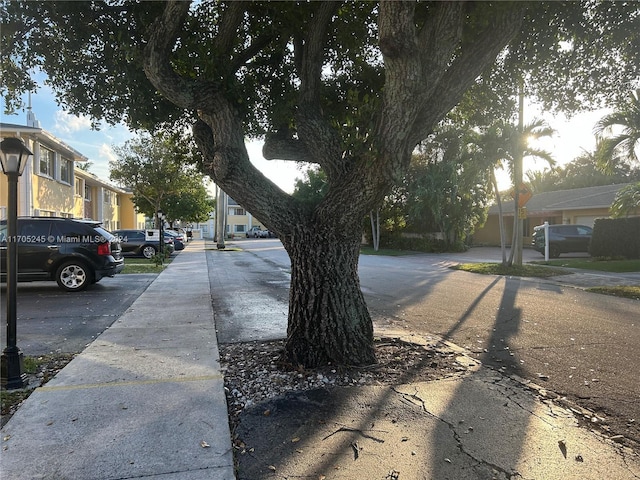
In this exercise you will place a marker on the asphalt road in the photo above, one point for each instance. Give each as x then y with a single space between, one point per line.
577 344
53 321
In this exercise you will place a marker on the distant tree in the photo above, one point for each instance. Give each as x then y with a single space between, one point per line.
192 205
155 169
447 189
583 171
84 166
312 187
627 201
545 180
626 143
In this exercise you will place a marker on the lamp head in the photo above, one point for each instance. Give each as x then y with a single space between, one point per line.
14 155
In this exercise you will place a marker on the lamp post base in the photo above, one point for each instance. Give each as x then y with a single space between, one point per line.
12 377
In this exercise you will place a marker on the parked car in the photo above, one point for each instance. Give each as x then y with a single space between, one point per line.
255 232
185 233
562 239
258 232
143 243
178 239
74 253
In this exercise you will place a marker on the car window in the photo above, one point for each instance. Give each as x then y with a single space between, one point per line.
33 230
133 235
102 234
70 230
567 230
584 230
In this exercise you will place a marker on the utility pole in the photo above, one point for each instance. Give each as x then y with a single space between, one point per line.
221 217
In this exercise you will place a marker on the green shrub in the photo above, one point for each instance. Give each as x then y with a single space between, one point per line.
615 238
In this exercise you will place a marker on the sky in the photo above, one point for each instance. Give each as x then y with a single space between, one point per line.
572 138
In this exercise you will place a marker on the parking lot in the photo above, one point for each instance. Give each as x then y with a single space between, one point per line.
53 321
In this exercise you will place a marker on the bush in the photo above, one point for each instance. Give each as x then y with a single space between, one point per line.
418 244
615 238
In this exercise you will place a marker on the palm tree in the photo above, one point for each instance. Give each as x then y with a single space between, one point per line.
625 143
627 201
500 144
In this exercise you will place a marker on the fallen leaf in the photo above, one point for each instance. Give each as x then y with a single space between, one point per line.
563 447
296 439
266 413
271 467
204 444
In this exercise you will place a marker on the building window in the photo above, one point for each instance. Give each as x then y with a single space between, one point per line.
66 215
239 228
45 166
87 193
236 211
78 187
66 167
107 196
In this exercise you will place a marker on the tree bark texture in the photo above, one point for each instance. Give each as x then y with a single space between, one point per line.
329 322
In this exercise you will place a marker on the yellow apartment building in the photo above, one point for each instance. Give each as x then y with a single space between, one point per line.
53 185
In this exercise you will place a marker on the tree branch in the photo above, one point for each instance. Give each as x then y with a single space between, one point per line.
230 168
479 50
320 140
279 147
163 32
228 31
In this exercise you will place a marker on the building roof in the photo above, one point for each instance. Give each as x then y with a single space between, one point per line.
574 199
42 136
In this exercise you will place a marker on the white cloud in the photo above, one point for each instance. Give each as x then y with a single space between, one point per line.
66 123
107 152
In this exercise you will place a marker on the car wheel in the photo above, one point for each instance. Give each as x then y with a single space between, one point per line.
148 251
554 251
73 276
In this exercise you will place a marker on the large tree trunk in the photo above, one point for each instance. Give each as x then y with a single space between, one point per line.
328 318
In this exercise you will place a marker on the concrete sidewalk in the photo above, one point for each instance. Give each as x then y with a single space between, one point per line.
145 400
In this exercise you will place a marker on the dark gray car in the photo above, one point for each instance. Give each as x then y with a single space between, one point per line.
562 239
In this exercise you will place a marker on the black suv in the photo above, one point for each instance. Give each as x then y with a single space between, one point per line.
140 243
562 239
75 253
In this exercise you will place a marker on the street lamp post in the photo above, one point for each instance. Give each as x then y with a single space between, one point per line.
14 155
161 217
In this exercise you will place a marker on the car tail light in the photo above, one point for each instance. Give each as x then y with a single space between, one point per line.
104 248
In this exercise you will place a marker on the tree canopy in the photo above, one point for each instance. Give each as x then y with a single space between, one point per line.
159 172
350 86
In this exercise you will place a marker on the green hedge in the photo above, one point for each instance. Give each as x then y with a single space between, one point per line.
616 238
418 244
